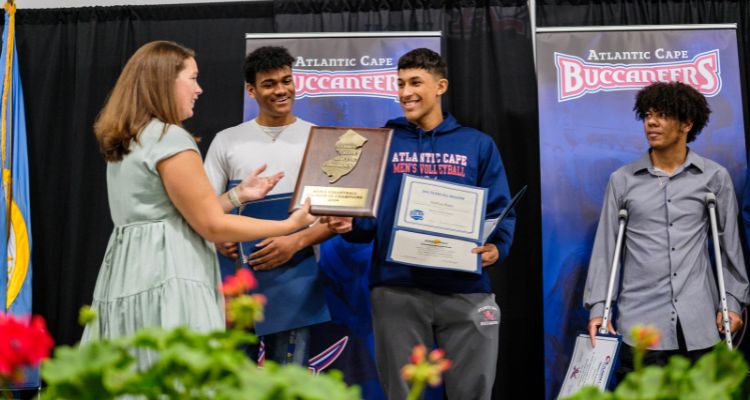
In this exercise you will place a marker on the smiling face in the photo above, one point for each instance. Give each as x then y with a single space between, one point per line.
187 89
419 92
664 132
274 92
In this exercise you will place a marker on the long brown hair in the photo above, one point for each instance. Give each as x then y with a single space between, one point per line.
144 90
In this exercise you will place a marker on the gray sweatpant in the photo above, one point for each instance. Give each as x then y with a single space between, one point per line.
466 326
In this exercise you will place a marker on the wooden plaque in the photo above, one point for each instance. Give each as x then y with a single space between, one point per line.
342 171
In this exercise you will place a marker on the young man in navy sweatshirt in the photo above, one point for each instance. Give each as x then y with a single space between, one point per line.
412 305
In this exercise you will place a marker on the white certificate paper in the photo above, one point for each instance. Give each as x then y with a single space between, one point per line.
441 207
433 251
590 366
437 224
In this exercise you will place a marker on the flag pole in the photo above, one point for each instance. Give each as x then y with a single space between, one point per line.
7 122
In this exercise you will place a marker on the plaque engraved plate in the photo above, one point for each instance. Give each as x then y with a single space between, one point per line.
336 196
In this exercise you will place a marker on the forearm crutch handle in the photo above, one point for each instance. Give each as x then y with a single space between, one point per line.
711 204
622 219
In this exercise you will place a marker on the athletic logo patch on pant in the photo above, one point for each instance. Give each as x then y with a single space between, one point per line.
490 315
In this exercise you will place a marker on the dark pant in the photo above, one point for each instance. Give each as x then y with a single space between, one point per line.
465 325
657 357
288 347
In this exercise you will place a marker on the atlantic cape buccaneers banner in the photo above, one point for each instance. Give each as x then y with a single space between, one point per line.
587 81
344 79
579 77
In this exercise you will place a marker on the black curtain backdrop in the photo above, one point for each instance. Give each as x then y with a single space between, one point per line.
70 59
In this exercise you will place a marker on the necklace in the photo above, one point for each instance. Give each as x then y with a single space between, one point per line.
273 131
659 173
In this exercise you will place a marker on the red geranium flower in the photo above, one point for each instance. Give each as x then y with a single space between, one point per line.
239 283
24 342
424 368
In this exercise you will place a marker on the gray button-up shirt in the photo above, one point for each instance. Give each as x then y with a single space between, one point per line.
666 273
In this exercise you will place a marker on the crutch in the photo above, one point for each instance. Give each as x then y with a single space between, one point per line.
622 219
711 204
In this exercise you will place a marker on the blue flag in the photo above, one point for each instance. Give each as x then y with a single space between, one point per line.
15 229
15 222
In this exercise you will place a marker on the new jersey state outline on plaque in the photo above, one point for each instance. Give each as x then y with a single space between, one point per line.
349 149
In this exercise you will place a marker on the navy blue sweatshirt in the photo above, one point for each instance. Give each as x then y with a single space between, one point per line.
452 153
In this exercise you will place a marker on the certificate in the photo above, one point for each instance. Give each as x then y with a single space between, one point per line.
490 225
437 224
590 366
433 251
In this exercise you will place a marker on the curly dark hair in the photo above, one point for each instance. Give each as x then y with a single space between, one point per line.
425 59
675 99
266 58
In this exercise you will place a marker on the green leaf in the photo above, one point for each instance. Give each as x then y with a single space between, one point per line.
720 374
590 393
187 365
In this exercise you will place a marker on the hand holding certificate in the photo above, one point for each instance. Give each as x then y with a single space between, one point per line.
590 365
437 225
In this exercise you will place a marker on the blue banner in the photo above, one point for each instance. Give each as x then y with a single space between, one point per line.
345 80
587 81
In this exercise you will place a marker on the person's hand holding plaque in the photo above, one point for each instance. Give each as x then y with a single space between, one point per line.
302 216
337 224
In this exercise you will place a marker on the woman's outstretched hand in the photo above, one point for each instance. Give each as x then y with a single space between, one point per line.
256 187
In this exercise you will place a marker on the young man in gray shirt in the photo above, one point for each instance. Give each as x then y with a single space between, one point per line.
666 273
